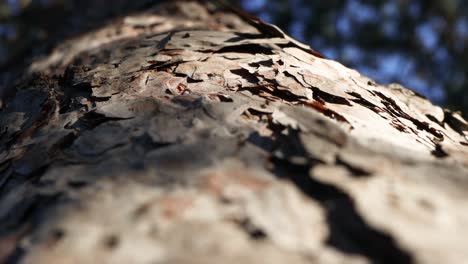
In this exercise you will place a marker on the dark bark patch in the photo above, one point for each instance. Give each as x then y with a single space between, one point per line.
77 184
434 119
355 171
251 229
243 36
395 110
361 101
456 123
246 75
270 92
111 241
328 97
191 80
439 152
57 235
247 48
266 63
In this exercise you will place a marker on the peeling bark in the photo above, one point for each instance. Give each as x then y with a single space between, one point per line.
191 133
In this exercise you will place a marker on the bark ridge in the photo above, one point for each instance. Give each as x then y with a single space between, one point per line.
189 133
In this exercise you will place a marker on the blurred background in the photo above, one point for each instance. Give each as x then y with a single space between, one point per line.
421 44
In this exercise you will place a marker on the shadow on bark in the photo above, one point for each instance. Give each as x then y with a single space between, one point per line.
349 232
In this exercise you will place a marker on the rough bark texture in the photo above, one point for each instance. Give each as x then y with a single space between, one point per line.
191 134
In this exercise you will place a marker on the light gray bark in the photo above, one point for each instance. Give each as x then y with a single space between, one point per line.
194 134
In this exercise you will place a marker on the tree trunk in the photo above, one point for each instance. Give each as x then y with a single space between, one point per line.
192 133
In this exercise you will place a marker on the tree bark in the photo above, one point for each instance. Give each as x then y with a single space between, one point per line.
192 133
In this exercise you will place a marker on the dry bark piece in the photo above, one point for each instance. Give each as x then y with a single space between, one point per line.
191 133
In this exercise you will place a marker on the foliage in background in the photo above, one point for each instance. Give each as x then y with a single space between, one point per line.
23 23
420 43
